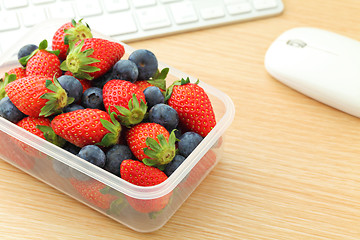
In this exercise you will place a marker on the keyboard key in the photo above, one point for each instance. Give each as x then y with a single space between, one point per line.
115 5
36 2
63 10
183 12
154 17
238 8
211 12
169 1
32 17
115 24
143 3
8 21
10 4
264 4
87 8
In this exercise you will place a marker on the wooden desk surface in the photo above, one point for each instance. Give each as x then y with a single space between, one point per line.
291 167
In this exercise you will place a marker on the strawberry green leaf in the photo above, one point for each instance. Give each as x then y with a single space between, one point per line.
73 22
23 61
57 98
56 52
185 81
153 144
79 32
161 75
160 83
158 79
135 114
115 129
51 136
4 82
43 45
150 162
78 62
160 153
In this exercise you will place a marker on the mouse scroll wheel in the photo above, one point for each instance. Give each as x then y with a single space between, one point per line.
296 43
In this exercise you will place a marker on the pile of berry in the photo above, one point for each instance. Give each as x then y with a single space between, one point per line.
115 113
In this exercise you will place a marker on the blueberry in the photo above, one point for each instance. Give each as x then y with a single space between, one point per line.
72 107
93 98
71 148
93 154
164 115
102 80
9 111
72 86
146 62
125 70
115 156
188 142
174 164
153 96
26 51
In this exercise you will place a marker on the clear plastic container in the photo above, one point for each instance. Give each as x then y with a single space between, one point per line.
37 157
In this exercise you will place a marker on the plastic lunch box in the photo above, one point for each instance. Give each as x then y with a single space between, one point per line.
37 157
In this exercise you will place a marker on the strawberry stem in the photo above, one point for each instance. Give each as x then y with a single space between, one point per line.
115 129
78 62
57 98
134 114
160 153
79 32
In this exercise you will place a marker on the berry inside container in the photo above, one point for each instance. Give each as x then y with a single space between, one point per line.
84 174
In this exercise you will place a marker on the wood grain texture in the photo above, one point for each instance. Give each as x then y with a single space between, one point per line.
291 166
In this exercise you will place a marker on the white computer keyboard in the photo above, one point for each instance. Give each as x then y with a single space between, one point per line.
129 20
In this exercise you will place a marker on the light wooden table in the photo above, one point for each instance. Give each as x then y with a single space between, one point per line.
291 167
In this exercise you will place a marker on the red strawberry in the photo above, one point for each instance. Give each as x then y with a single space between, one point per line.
158 80
91 191
92 57
37 95
87 127
140 174
70 32
30 123
42 62
20 72
143 84
125 99
151 143
10 76
40 126
193 106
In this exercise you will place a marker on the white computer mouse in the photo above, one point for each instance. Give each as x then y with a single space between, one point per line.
320 64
